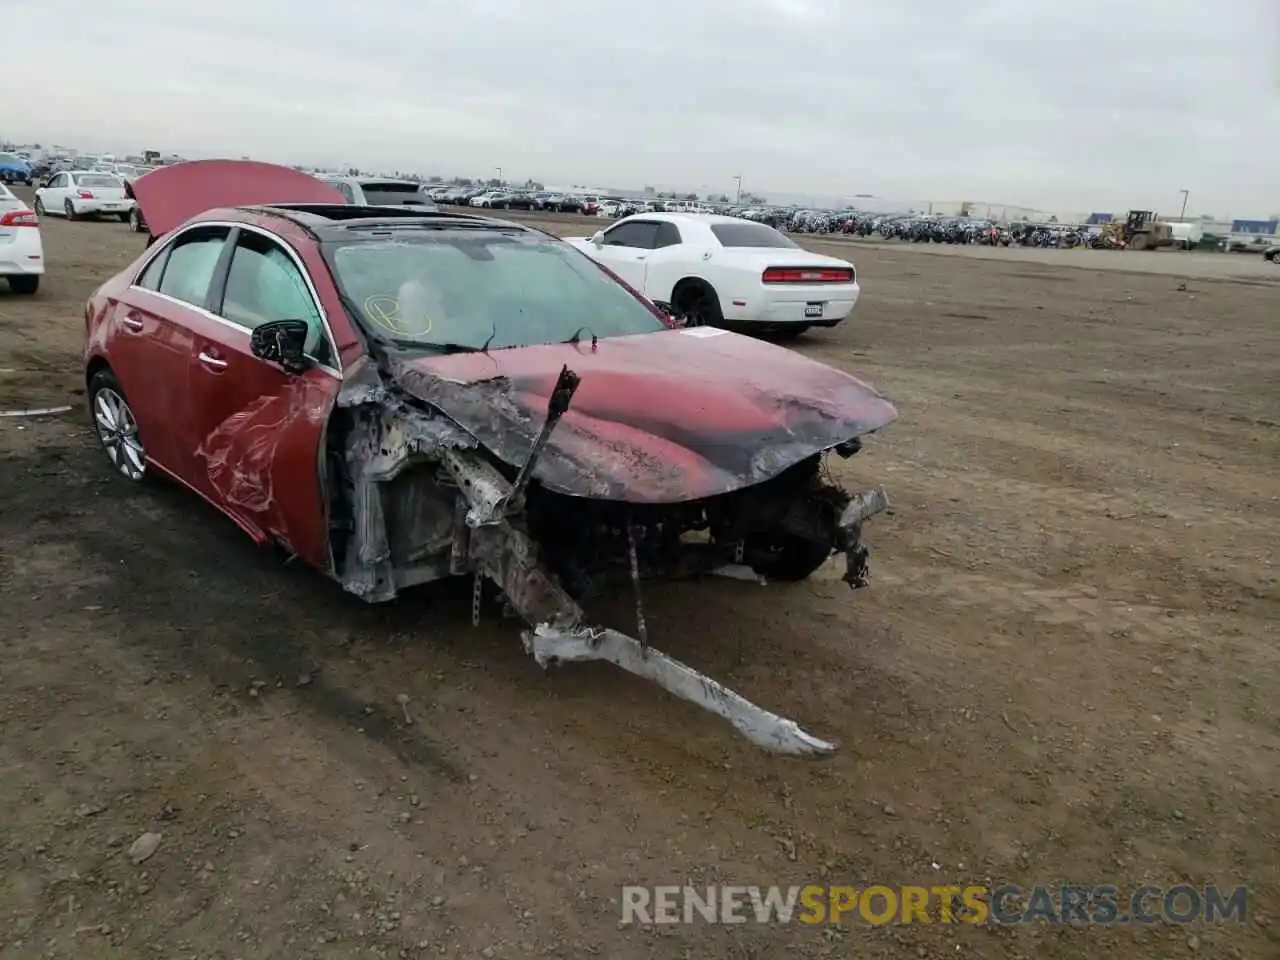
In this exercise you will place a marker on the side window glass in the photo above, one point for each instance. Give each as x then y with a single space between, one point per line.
639 235
347 192
668 235
264 284
150 277
191 262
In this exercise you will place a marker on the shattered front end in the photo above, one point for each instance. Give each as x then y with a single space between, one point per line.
470 514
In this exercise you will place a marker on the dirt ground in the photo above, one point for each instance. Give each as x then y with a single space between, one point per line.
1065 670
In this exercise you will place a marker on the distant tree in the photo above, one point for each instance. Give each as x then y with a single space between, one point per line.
1053 219
722 198
691 196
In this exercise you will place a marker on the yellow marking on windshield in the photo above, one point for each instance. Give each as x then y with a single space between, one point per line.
385 312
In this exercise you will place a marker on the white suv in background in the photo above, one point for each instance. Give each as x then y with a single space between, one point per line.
21 252
84 193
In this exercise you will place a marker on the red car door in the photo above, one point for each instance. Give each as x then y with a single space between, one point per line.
150 340
256 430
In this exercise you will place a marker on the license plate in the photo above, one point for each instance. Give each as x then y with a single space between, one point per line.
813 309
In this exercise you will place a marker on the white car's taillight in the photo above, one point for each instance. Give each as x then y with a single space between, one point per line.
19 218
807 275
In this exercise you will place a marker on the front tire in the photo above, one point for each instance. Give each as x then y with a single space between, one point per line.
116 426
697 301
25 285
135 221
785 557
39 207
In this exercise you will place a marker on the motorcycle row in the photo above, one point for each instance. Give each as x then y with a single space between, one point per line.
931 229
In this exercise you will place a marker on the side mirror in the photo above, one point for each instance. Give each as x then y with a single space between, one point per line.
283 342
598 238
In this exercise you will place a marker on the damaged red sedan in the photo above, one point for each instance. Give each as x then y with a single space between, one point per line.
397 396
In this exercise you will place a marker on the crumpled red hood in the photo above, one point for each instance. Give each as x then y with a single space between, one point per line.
170 196
658 418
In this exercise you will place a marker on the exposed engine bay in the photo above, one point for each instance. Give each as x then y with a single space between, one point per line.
415 497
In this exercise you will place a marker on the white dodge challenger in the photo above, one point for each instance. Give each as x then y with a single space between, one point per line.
725 272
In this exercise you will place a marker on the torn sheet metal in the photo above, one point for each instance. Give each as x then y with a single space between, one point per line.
240 453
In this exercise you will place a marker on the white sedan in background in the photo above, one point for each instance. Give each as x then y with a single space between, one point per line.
21 252
725 272
84 193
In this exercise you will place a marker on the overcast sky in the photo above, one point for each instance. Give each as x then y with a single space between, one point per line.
1079 105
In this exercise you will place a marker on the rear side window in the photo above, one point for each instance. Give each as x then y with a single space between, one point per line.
150 277
747 234
668 235
192 260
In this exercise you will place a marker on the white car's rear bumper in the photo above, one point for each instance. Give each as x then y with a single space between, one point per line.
819 306
21 251
89 208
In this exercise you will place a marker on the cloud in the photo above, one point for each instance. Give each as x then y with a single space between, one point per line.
1088 105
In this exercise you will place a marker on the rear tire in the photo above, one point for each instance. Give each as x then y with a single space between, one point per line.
25 285
117 429
69 209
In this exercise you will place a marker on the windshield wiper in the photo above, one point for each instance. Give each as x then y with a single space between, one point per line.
577 335
440 346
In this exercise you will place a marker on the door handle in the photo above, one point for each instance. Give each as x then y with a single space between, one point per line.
641 257
132 321
211 361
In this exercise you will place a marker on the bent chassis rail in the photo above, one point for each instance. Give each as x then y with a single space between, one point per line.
388 436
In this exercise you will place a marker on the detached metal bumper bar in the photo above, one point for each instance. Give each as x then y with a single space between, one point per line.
550 645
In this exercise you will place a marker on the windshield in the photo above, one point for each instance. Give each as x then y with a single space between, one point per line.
463 290
99 180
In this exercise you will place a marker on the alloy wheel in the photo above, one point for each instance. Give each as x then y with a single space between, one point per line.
118 431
